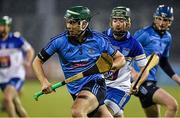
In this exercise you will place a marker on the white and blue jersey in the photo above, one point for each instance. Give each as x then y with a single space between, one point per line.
12 52
153 42
132 50
78 57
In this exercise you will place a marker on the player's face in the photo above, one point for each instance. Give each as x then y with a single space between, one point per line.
162 23
73 27
119 24
4 29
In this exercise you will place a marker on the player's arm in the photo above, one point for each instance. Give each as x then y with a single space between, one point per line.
39 72
118 61
167 68
29 56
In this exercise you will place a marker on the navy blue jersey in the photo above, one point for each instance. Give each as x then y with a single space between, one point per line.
153 42
76 57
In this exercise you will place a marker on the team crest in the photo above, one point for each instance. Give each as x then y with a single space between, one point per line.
91 51
125 51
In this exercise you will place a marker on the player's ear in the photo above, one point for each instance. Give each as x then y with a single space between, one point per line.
84 24
128 24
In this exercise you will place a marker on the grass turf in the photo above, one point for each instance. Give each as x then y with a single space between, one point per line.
58 104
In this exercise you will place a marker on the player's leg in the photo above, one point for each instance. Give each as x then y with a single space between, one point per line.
145 94
9 94
89 99
19 107
84 103
163 98
102 111
152 111
18 83
116 100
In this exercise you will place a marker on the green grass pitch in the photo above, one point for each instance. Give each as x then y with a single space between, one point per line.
58 104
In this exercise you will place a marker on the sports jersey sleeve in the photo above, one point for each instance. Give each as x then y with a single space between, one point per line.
49 49
22 42
141 36
168 47
26 46
139 54
106 46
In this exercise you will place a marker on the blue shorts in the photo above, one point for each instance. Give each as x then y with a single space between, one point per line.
96 87
116 99
16 82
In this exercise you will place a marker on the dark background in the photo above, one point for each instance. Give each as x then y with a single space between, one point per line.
38 20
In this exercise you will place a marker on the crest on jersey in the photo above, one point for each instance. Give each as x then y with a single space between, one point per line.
91 51
125 51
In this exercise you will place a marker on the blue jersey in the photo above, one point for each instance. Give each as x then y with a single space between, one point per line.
76 57
128 46
12 42
153 42
132 50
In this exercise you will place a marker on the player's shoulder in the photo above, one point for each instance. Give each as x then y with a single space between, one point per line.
168 34
16 37
99 35
60 37
147 30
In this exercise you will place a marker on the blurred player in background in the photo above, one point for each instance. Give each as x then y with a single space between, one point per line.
119 83
156 38
78 49
15 53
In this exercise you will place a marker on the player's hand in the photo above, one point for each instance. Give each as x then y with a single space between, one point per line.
134 74
46 87
176 78
134 91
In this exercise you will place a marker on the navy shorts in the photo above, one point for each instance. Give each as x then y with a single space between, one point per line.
16 82
145 94
96 87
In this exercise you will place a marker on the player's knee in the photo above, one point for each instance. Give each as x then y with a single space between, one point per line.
173 106
77 112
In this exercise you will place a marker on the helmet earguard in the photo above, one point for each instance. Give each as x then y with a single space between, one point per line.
121 12
164 11
6 20
78 13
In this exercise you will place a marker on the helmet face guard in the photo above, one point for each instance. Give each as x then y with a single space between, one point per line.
120 13
163 18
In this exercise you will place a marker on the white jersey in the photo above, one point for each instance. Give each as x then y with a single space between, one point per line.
12 57
123 79
132 50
